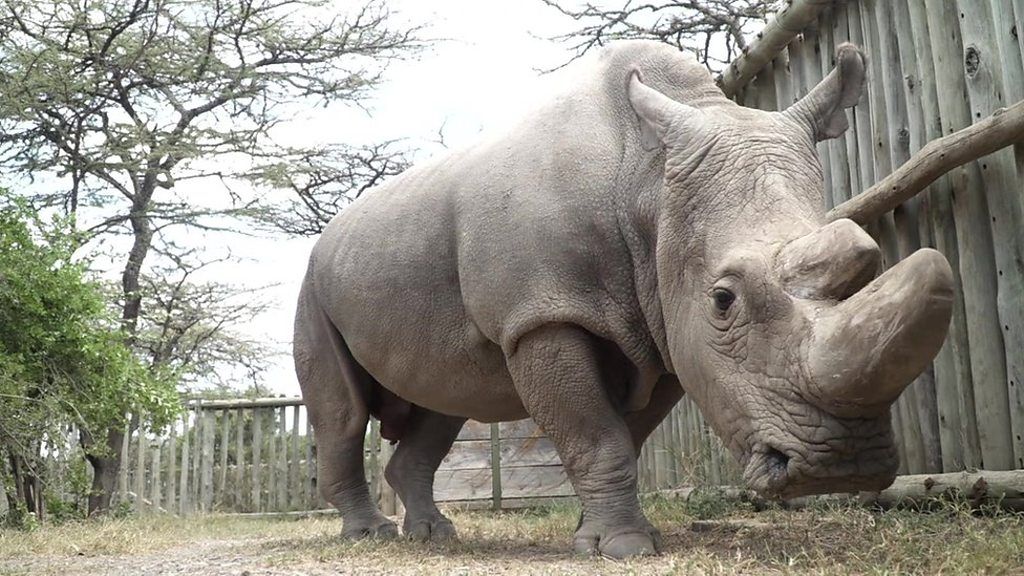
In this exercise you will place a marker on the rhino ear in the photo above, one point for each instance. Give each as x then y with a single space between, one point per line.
822 109
657 112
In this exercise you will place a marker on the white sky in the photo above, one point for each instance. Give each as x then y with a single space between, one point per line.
482 75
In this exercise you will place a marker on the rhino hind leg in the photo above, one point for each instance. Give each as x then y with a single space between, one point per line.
335 390
427 438
557 371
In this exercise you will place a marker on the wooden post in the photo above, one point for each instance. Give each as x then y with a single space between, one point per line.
197 459
783 80
155 489
282 461
388 505
295 464
209 433
122 478
237 501
257 445
271 505
812 75
833 33
140 468
495 466
974 238
183 500
172 471
222 477
312 492
987 54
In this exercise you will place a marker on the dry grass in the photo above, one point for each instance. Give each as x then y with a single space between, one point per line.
703 536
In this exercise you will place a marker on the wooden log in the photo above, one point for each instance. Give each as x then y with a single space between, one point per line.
954 384
1001 488
764 88
244 403
1003 128
779 32
256 500
207 459
986 89
222 476
389 501
974 239
237 501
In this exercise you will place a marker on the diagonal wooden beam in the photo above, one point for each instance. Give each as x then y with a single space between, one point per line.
777 34
1004 128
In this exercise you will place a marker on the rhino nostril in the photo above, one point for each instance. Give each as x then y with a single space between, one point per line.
777 461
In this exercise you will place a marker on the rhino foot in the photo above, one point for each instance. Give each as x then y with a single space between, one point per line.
380 528
436 529
618 543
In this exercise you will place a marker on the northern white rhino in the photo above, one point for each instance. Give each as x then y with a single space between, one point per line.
636 237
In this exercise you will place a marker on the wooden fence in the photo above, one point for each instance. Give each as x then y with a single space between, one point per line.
935 66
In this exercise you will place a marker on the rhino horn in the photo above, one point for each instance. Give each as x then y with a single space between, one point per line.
831 263
822 109
865 350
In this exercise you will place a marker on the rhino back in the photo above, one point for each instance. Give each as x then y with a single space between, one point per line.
434 276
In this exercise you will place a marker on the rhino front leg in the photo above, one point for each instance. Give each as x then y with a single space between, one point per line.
427 439
557 373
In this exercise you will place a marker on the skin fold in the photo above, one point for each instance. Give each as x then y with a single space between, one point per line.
636 237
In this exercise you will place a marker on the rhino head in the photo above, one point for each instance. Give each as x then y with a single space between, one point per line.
775 322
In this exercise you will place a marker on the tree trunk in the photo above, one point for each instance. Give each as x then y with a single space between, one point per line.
106 462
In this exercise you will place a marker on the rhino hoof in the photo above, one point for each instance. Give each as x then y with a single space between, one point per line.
386 530
621 545
439 530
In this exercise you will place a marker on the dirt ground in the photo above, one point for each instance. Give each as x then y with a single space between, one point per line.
703 537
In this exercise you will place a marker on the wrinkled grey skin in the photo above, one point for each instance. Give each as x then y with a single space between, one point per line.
638 236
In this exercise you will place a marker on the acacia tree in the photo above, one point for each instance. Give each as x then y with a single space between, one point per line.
127 100
717 30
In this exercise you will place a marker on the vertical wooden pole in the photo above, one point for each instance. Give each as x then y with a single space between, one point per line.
172 470
220 497
282 460
155 489
495 466
974 238
388 505
958 428
295 464
271 504
122 478
312 492
209 433
197 459
812 75
257 462
835 31
183 500
237 500
140 467
988 52
783 80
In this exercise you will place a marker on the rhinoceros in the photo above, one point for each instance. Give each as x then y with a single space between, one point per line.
636 237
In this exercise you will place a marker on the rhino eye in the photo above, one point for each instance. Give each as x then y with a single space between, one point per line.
723 298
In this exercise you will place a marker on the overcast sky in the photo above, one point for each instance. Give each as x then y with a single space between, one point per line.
483 74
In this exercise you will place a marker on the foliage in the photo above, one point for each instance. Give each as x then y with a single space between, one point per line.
716 30
63 360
